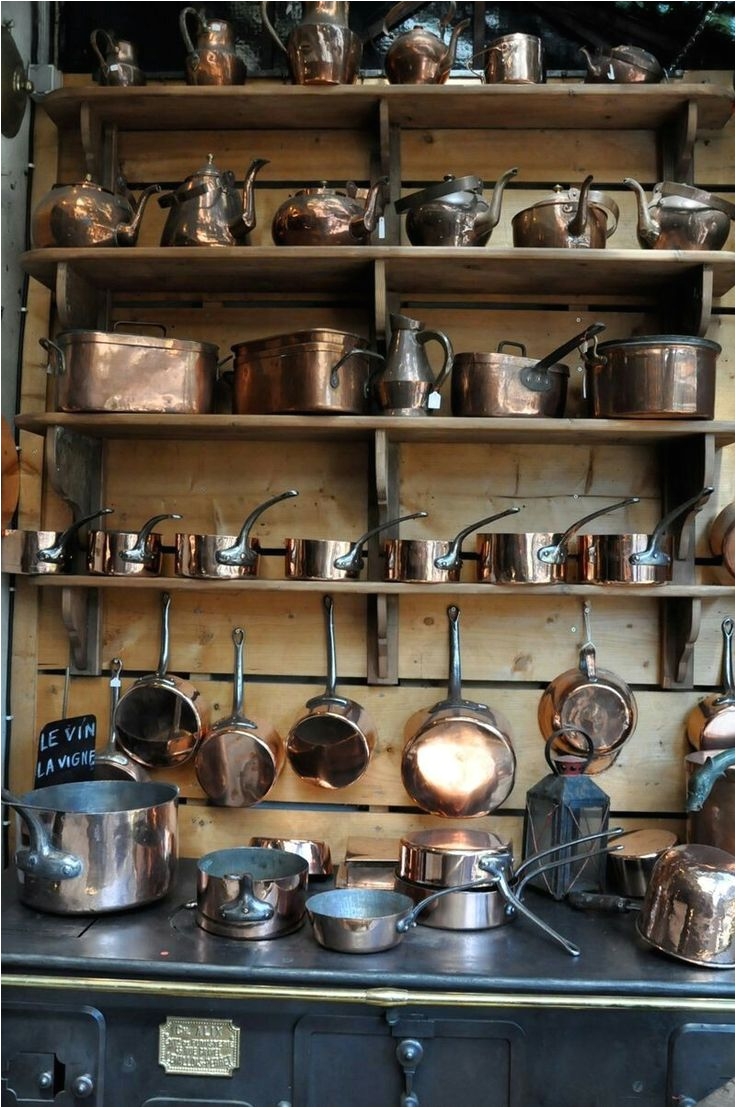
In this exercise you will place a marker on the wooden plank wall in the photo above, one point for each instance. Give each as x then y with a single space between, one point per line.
511 647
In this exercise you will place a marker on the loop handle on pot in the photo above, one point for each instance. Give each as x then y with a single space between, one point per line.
41 859
654 555
334 377
353 560
447 187
201 25
536 377
242 553
112 46
56 553
247 907
139 323
56 365
425 336
138 553
583 762
556 554
454 554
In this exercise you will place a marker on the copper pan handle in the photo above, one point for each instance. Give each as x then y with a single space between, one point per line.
450 560
353 560
241 553
654 555
556 554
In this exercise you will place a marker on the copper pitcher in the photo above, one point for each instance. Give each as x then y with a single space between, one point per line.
408 385
213 61
118 65
419 57
681 217
322 50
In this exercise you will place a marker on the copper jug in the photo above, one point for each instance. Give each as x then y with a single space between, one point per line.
208 210
681 217
329 217
118 65
419 57
322 50
406 384
213 61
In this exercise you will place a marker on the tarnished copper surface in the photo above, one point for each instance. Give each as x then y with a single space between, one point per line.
515 59
325 216
213 60
207 209
681 217
653 377
322 50
419 57
624 65
489 384
85 214
453 212
571 218
118 62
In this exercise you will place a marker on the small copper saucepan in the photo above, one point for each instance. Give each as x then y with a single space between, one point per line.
431 561
637 559
35 552
532 557
332 559
127 553
218 556
332 744
238 761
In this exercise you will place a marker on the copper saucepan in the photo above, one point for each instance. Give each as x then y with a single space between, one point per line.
594 701
711 724
35 552
238 761
111 764
431 560
161 719
228 556
332 744
459 760
251 892
636 559
127 553
332 559
532 557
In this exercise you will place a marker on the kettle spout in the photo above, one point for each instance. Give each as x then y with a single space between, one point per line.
494 213
126 234
647 229
249 207
595 68
448 58
576 226
364 224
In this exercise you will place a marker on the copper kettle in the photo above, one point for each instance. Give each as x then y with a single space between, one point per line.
118 65
622 65
681 217
208 209
419 57
322 50
323 216
569 218
86 214
214 60
453 212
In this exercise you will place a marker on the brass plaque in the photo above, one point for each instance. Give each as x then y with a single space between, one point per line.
206 1047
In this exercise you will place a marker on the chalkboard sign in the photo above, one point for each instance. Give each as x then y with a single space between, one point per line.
66 751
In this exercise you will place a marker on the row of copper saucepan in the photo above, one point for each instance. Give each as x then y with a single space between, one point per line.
501 557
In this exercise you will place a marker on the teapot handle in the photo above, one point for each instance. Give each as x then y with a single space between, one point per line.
437 336
185 30
270 28
93 43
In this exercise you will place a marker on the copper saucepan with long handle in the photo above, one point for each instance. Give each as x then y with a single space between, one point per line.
161 718
238 761
332 744
35 552
635 559
431 561
459 760
111 764
127 553
332 559
533 557
711 724
594 701
223 556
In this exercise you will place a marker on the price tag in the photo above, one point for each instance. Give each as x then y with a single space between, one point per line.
434 401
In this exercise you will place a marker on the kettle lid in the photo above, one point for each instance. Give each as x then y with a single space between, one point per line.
693 197
447 187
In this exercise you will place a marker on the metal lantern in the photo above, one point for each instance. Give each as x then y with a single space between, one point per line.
563 807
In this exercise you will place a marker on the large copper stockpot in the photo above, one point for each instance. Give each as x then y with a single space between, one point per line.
636 559
332 559
104 371
501 384
532 557
652 377
594 701
251 892
431 561
223 556
332 744
35 552
238 761
127 553
459 760
317 372
711 724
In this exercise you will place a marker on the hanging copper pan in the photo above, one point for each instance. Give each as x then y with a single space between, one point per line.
110 763
223 556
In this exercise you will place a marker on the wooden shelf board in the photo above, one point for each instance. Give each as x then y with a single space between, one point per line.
433 429
372 588
562 106
409 269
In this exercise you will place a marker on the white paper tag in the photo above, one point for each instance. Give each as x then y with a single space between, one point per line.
115 683
434 401
381 227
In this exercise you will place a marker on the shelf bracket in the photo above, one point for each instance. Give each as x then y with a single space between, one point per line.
689 306
78 302
383 611
678 145
681 627
81 613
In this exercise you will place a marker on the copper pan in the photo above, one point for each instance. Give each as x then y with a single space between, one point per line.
532 557
238 761
110 763
332 559
431 561
317 854
228 556
711 724
459 760
127 553
35 552
594 701
636 559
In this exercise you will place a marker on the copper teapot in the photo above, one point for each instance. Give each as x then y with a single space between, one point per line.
213 61
323 216
419 57
681 217
118 65
208 209
86 214
570 218
322 50
453 212
622 65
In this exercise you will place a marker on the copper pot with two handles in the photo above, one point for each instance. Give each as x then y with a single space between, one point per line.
214 557
431 561
332 559
571 218
128 553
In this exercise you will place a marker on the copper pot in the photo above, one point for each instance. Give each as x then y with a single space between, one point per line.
459 760
251 892
127 553
711 724
630 864
332 559
316 854
35 552
214 557
431 560
622 65
515 59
